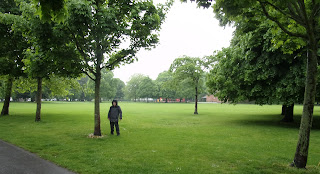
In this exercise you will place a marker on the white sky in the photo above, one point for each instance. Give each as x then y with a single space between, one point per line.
188 30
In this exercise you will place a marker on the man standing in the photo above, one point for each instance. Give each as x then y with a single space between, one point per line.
114 114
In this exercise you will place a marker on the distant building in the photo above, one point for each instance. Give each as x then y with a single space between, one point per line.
211 98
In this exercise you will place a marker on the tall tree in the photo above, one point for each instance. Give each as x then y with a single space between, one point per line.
12 45
244 71
51 52
300 19
110 33
191 70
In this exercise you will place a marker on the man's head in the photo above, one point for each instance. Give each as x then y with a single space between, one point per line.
114 103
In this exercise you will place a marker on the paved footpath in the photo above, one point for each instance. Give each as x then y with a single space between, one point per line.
14 160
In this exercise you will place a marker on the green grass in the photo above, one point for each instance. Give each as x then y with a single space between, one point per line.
163 138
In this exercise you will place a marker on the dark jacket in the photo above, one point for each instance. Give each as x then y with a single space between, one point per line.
115 112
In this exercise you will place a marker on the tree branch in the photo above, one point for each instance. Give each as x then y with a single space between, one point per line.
294 13
85 72
119 59
279 24
275 7
81 51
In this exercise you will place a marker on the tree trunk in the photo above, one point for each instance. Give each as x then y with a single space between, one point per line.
38 99
283 111
196 102
288 114
301 155
8 90
97 129
166 100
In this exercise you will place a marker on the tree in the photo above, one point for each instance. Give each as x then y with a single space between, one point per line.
185 89
244 71
192 70
12 45
51 51
2 87
164 83
133 85
298 19
53 87
86 91
108 85
108 34
120 89
147 88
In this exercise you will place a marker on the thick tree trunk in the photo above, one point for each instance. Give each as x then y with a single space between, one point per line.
8 90
301 155
288 114
38 99
166 100
283 111
196 102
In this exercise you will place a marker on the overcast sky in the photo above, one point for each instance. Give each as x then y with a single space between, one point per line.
188 30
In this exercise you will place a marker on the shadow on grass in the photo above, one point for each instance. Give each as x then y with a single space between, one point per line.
275 121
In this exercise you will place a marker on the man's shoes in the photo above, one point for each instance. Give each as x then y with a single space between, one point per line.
111 133
118 134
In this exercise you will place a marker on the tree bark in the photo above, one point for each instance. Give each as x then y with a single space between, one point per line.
288 114
196 102
283 111
8 91
97 129
301 155
38 99
166 100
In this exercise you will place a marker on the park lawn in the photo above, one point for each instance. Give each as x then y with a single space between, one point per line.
163 138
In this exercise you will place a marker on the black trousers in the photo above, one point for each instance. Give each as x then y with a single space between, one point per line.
112 124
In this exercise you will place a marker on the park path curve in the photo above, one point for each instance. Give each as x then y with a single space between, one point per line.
14 160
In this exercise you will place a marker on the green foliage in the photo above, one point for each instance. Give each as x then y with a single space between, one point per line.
147 88
164 82
162 138
120 89
12 41
51 52
2 87
54 86
133 85
109 33
188 72
86 90
53 10
109 85
201 3
254 69
110 88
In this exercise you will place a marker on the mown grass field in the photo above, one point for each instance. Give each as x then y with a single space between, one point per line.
163 138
